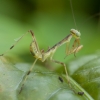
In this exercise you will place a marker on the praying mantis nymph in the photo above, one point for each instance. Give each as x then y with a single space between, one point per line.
44 55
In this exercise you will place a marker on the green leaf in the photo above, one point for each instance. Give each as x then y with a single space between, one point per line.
10 78
42 84
87 73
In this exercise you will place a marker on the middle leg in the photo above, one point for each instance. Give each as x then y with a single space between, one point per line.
67 76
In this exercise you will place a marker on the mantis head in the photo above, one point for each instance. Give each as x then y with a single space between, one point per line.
75 33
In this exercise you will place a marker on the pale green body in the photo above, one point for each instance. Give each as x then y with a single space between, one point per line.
43 55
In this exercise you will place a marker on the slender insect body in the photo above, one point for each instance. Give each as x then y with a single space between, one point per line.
34 49
42 55
50 52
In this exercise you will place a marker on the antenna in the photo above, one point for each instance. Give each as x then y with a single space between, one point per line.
73 13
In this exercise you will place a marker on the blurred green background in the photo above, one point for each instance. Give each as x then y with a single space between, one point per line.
51 21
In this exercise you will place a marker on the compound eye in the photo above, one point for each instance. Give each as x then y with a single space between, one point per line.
78 34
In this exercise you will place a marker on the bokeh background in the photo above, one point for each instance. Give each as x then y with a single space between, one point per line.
51 21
